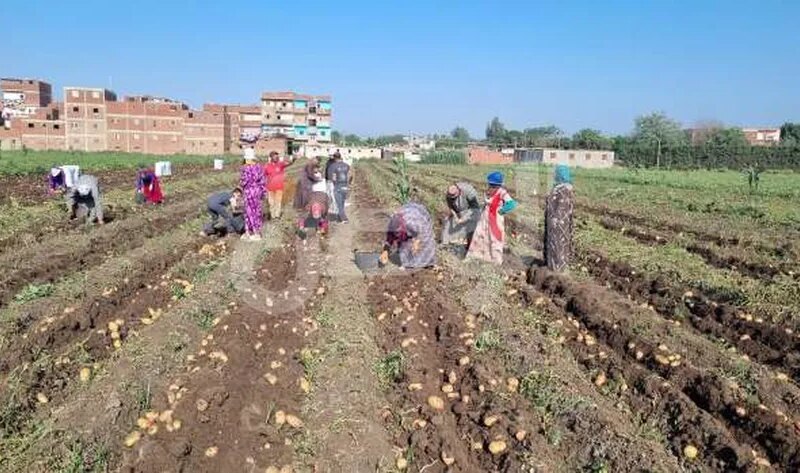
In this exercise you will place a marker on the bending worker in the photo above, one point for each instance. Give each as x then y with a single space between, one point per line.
84 200
465 211
225 209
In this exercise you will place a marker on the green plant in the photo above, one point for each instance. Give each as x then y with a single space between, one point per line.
487 340
143 397
542 390
390 368
403 183
325 317
34 291
310 360
204 318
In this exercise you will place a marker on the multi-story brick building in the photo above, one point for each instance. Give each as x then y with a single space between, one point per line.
300 117
24 97
92 119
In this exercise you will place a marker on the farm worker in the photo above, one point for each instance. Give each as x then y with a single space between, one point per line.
410 231
227 207
339 176
84 200
465 210
559 206
252 182
309 175
489 238
315 214
56 180
148 187
334 208
275 171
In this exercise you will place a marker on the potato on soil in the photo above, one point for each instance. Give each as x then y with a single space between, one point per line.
211 452
294 421
497 447
490 421
401 463
447 459
42 398
85 374
690 452
280 418
436 402
132 438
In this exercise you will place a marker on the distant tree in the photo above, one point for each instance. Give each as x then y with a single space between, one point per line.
659 131
790 132
495 130
460 133
590 139
336 137
729 138
702 130
351 139
542 136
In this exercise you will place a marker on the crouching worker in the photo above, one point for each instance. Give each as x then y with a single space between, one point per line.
410 232
225 209
315 213
56 180
465 211
148 187
84 201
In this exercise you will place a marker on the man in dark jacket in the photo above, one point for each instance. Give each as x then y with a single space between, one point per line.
225 209
338 174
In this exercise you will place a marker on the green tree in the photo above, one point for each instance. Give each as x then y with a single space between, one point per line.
728 138
336 137
591 139
351 139
790 132
495 130
659 131
460 133
549 135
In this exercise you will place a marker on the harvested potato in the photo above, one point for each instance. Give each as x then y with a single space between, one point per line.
497 447
520 435
401 463
271 378
132 438
436 403
447 388
447 459
305 385
42 398
294 421
280 418
415 386
211 452
490 421
690 451
85 374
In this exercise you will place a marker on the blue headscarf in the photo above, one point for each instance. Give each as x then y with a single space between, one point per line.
563 175
495 178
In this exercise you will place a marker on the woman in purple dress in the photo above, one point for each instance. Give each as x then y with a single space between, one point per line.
252 182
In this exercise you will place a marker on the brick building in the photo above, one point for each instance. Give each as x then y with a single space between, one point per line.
484 155
92 119
24 97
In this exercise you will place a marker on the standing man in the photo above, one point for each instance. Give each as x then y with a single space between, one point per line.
275 170
339 174
83 200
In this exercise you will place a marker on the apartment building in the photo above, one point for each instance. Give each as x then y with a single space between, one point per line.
85 111
24 97
765 136
305 118
93 119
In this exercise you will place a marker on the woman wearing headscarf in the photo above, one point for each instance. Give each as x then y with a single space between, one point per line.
56 180
559 206
148 187
310 175
465 210
410 232
315 214
488 241
252 183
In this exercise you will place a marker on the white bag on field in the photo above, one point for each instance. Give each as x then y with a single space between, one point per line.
218 164
163 168
71 174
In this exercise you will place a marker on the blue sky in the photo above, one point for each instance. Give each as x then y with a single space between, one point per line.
416 66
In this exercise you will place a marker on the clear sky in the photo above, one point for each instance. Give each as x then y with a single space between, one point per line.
427 66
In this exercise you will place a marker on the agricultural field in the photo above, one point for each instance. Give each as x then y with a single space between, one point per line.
670 345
